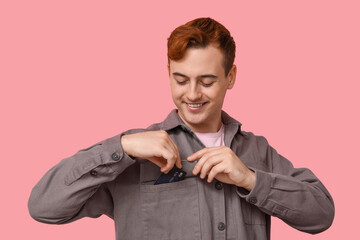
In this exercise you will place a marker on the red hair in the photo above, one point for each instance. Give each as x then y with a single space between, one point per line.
199 33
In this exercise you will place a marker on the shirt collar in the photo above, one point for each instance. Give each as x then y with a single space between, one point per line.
173 120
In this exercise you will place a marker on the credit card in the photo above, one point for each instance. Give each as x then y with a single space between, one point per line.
174 175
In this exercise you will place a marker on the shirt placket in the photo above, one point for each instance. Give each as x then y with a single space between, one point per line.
219 210
218 199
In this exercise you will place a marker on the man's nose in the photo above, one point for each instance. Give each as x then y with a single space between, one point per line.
194 92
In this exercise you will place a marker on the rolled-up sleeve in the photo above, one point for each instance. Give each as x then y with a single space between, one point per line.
77 186
294 195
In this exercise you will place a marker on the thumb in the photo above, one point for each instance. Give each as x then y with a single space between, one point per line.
178 161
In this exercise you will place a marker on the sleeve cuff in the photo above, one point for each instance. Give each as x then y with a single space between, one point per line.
113 153
260 191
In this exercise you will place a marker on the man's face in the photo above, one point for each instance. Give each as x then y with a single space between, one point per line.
198 86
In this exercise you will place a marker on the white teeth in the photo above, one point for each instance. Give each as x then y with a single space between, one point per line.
194 105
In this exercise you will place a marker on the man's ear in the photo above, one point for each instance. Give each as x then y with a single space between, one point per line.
231 77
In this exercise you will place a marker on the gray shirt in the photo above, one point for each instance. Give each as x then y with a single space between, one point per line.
102 179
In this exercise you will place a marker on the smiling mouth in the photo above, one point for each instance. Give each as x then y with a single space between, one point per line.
195 106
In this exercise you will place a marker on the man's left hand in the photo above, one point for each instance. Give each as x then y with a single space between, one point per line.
223 164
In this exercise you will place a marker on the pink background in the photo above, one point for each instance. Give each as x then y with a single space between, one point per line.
76 72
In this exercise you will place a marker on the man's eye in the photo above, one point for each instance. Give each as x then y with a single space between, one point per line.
207 84
180 82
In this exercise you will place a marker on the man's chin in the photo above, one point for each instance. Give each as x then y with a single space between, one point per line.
192 118
193 121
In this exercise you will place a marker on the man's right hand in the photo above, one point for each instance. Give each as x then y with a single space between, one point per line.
156 146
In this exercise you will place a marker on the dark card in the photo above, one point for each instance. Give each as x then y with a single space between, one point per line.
174 175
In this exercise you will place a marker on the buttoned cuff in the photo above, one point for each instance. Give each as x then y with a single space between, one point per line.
260 191
113 154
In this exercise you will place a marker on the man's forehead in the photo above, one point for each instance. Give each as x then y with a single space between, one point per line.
199 61
176 70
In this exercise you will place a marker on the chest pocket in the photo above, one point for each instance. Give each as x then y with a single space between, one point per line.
170 210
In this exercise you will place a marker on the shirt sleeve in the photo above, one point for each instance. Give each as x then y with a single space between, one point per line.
294 195
78 185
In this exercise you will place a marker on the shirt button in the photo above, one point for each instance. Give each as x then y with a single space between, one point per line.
218 185
93 173
253 200
221 226
115 156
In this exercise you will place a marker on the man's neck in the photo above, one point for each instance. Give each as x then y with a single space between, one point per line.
209 127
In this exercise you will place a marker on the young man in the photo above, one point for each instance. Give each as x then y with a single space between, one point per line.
234 180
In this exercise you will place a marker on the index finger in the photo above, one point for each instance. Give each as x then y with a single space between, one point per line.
197 155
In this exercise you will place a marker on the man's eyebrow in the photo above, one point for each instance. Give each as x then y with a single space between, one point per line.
208 76
201 76
179 74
